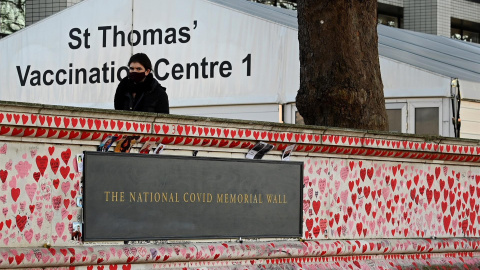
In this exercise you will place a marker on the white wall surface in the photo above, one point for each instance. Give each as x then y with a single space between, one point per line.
470 115
45 46
402 80
191 30
470 90
221 34
258 112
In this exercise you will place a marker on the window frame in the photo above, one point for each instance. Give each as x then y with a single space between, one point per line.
403 107
425 104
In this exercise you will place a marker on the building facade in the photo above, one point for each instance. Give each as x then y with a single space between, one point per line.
458 19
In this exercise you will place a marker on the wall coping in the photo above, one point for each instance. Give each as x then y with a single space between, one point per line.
272 251
111 114
80 125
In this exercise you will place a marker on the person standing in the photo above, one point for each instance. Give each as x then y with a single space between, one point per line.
140 91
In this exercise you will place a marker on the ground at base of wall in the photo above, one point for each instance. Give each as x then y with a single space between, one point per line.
400 261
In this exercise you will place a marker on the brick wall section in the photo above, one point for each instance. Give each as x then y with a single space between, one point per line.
444 15
429 16
434 16
466 10
421 16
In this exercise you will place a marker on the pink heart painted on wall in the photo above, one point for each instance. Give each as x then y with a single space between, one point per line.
31 189
23 168
60 228
65 187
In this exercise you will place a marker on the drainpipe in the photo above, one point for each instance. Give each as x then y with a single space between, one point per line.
456 101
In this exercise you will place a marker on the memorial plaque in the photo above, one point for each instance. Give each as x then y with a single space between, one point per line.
148 197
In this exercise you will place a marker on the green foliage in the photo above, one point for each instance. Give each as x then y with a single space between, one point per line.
288 4
12 16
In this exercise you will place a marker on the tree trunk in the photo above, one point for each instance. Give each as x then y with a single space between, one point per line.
340 80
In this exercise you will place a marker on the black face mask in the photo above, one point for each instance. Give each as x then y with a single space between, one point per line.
137 76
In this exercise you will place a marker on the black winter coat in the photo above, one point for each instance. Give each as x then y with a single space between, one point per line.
150 96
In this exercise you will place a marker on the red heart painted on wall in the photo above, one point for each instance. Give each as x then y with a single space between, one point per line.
57 121
66 155
98 124
4 130
56 182
17 118
64 171
42 163
3 175
36 176
17 131
15 193
21 222
54 164
156 128
446 222
66 203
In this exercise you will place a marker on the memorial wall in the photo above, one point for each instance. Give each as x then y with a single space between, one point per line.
341 198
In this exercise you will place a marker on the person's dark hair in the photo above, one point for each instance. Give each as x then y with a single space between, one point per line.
142 59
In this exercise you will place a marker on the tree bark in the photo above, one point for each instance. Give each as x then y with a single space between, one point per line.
340 80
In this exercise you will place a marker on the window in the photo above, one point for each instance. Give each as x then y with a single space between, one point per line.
418 116
394 120
390 15
471 36
397 116
288 4
421 116
426 121
465 35
388 20
425 117
465 30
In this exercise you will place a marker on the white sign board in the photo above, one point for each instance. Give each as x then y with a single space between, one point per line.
202 52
